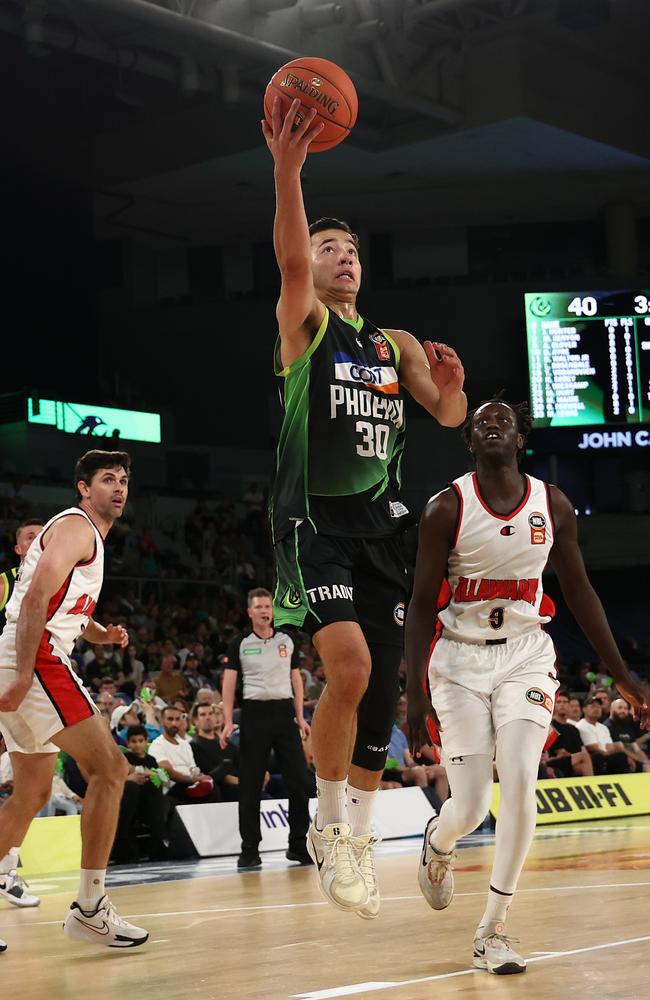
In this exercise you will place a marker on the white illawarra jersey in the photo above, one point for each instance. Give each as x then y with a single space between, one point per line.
69 609
493 588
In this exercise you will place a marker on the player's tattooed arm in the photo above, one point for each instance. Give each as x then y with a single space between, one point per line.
434 376
584 603
437 529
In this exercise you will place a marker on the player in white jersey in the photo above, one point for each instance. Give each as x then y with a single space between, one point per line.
483 545
43 704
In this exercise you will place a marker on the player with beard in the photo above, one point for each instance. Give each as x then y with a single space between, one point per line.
43 704
483 545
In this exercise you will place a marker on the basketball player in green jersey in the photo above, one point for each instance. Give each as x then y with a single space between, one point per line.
336 515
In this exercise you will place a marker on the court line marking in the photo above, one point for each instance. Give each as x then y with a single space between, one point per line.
263 907
346 991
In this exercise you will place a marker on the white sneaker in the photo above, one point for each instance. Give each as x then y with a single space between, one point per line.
340 879
102 926
364 853
435 873
493 953
12 888
3 946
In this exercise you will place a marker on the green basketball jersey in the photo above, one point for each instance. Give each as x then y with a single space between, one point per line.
341 442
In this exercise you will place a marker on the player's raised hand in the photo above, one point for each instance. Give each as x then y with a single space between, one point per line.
288 139
447 370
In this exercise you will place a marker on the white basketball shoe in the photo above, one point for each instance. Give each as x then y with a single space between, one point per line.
102 926
12 888
3 946
492 951
435 872
340 879
364 852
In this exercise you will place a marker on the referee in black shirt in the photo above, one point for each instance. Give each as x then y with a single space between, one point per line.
271 719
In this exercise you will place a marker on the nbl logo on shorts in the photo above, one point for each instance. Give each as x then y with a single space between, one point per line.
537 697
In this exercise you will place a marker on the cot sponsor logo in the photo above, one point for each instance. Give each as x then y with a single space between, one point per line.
583 798
282 649
537 524
348 369
399 613
537 697
335 592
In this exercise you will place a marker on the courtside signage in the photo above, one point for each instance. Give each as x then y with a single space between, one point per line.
567 800
213 827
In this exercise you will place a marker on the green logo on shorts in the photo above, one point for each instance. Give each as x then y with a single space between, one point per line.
290 599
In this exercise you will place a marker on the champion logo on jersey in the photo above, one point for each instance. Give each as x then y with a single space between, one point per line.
380 377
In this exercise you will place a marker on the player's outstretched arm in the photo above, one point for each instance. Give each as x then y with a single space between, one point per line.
434 376
298 306
437 527
585 606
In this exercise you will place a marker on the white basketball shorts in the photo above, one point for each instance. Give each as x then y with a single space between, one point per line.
56 700
476 689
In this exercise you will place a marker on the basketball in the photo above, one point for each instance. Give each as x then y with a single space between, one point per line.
319 84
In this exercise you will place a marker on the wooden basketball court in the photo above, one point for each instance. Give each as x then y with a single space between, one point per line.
581 914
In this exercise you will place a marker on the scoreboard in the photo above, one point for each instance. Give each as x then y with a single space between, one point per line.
589 357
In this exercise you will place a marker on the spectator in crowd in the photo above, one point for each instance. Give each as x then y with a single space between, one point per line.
132 667
176 757
170 683
25 535
607 757
213 759
271 719
624 729
604 696
567 756
122 718
184 721
194 681
574 713
142 802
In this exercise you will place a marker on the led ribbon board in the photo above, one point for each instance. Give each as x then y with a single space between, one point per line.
588 357
95 421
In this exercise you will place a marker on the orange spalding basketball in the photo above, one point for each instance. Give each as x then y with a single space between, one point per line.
319 84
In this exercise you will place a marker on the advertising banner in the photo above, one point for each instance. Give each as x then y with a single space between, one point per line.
214 827
565 800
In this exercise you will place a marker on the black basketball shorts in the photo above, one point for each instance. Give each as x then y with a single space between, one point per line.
322 579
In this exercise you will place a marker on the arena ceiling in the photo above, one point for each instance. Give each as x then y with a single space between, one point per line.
471 111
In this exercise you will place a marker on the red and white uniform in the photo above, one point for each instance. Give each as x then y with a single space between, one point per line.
57 698
491 661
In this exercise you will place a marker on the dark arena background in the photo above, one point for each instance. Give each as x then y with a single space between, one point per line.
498 178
